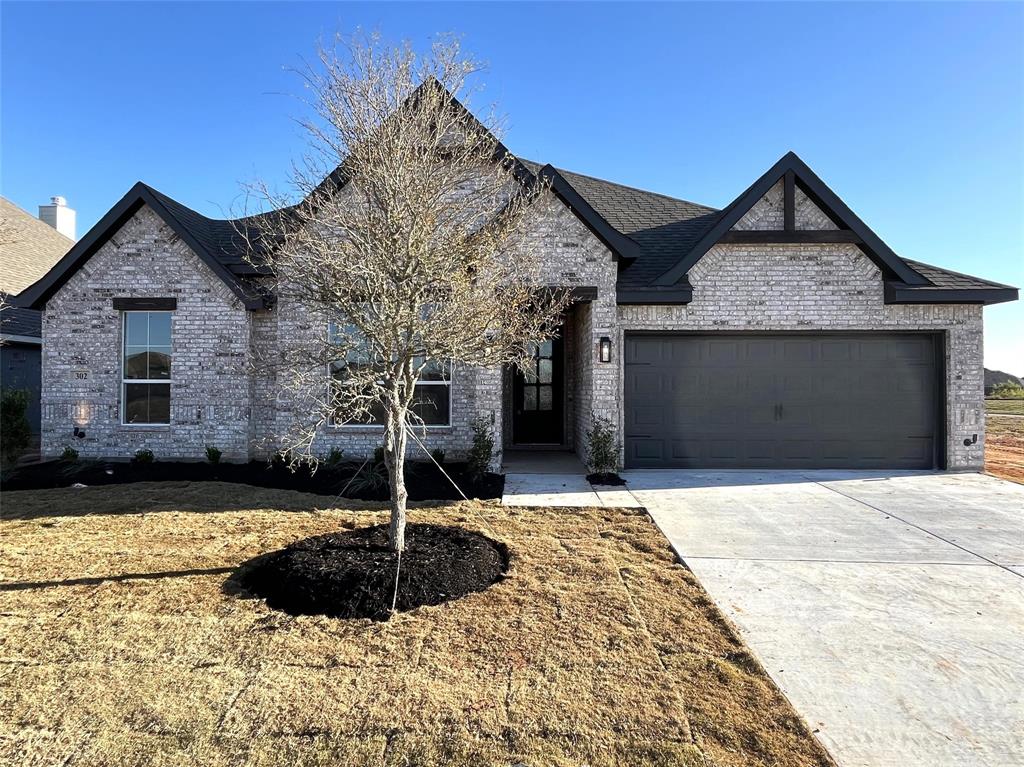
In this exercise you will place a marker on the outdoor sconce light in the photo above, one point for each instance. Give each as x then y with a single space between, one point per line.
79 433
604 349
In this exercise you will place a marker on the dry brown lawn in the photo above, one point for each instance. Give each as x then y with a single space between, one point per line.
1004 447
121 645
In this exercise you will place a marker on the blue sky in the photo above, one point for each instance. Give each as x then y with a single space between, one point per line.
913 113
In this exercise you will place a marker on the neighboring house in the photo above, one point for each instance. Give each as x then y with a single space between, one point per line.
28 248
779 332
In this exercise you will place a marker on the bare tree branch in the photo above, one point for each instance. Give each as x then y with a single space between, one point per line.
414 252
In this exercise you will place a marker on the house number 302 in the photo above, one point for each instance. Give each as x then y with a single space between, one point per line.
80 375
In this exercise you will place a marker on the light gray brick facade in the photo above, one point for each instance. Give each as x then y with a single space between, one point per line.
218 399
82 342
827 288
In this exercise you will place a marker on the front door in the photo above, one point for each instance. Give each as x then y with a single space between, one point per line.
537 397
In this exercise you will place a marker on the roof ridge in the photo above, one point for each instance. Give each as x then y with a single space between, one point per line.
709 208
156 192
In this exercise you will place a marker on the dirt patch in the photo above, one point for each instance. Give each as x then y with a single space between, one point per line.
1004 447
120 647
424 481
352 574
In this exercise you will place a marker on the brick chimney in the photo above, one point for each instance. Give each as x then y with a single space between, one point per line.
58 215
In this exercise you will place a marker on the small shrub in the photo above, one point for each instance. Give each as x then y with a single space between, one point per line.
478 462
145 455
602 447
334 458
213 454
373 476
438 455
69 454
1008 390
15 430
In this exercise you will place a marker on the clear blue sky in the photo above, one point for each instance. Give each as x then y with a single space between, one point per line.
913 113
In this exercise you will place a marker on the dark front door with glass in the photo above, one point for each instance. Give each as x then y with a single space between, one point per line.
537 397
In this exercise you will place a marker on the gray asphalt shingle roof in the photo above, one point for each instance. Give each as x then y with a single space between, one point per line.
29 247
946 279
16 321
663 228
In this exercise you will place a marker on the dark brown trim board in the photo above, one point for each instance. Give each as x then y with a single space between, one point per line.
145 304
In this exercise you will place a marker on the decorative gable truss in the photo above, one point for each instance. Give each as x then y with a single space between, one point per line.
790 204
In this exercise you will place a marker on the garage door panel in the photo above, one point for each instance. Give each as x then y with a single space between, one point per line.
760 449
776 400
872 351
646 382
798 351
760 349
761 415
688 417
646 416
723 352
908 349
646 449
839 350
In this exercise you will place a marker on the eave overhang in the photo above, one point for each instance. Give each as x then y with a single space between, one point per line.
899 293
36 295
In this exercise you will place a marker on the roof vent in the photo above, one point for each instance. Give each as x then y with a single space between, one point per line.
58 215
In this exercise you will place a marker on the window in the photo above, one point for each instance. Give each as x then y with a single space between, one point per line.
538 378
146 368
432 396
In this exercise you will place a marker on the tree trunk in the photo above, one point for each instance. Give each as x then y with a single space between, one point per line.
395 438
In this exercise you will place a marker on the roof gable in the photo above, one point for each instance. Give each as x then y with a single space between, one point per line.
622 247
795 173
185 223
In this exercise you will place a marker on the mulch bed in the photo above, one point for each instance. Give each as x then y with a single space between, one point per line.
424 481
605 478
351 574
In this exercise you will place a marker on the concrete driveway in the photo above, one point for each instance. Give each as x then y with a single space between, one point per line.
888 607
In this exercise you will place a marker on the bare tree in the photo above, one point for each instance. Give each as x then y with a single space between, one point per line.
411 258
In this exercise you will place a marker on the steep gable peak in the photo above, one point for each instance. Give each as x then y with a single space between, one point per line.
767 211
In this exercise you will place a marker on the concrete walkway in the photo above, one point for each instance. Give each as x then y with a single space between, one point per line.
888 607
563 491
558 479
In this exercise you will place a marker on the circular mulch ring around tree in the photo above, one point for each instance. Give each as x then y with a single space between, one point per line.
351 574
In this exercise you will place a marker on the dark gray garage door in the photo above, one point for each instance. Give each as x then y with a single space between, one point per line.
781 401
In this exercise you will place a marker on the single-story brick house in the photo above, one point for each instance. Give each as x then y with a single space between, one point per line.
777 332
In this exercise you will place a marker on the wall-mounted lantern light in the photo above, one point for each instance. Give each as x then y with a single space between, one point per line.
604 349
79 432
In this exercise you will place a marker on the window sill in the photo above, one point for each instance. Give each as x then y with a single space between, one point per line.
145 426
